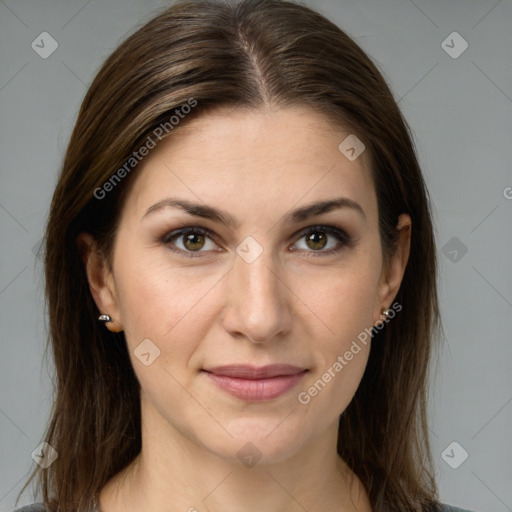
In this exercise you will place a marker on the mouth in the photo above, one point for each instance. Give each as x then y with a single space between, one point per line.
256 383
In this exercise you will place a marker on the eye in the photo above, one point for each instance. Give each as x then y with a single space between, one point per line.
317 239
191 239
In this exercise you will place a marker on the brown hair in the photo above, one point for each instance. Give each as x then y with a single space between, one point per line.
254 54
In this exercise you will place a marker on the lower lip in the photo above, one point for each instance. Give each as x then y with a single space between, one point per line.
256 390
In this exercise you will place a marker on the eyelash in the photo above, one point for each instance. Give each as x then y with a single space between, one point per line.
344 239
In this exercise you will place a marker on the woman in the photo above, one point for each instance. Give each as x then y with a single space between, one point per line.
241 277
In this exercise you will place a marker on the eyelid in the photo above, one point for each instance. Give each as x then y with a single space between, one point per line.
180 232
326 228
343 237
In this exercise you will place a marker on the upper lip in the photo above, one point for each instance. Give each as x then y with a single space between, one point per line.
254 372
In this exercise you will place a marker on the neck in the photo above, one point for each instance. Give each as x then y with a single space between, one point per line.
175 473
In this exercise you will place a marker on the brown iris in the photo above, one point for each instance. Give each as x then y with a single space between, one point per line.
316 240
194 241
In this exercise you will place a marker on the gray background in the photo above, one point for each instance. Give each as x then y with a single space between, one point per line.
460 110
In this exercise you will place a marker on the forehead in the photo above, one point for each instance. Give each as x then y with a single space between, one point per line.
264 158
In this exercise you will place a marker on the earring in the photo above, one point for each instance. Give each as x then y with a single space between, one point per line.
386 312
105 318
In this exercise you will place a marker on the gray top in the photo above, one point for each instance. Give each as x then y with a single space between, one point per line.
39 507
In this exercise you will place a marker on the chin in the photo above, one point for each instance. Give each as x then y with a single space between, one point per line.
257 442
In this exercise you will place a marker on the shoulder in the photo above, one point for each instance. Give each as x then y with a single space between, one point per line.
35 507
451 508
39 507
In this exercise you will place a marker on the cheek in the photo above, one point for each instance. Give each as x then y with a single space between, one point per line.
158 300
345 308
343 297
343 300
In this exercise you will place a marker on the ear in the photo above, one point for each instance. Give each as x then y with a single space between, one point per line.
393 272
101 280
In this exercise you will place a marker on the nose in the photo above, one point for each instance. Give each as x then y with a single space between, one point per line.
258 303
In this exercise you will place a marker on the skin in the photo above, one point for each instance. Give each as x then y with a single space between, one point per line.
217 308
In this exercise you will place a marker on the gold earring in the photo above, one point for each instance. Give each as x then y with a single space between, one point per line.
385 312
107 319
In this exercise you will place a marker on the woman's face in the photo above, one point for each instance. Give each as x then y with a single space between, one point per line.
262 277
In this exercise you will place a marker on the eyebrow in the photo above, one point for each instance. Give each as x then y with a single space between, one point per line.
295 216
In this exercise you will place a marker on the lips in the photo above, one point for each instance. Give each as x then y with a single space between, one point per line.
255 373
251 383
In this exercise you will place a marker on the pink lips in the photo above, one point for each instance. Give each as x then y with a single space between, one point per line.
256 384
